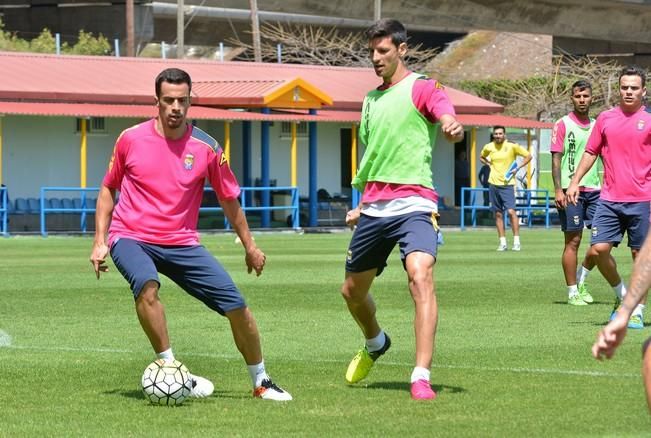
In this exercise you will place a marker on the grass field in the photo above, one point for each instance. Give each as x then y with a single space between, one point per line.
512 357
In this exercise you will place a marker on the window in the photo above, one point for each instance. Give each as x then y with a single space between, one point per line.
94 125
286 130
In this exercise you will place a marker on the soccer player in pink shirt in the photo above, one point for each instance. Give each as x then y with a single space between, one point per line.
159 168
622 138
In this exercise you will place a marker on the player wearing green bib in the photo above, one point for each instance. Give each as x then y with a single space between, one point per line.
569 138
400 120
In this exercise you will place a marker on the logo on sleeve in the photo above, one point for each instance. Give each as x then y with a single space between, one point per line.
188 162
222 159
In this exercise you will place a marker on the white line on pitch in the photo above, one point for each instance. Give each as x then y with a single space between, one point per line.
5 339
587 373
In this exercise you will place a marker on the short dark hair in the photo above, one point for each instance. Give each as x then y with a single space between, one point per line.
499 127
388 27
633 70
582 84
173 76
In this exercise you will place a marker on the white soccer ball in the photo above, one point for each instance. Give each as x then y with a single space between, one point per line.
166 382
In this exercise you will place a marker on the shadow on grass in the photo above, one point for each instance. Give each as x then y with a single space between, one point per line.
403 386
596 303
138 395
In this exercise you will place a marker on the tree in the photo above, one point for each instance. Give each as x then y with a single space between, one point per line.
546 97
87 43
322 46
44 43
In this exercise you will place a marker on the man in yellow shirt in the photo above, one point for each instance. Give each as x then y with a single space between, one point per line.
501 155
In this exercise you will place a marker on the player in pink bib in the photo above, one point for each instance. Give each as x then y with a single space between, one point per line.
160 168
622 137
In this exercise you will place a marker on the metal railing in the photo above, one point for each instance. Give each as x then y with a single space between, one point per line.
4 211
527 202
83 209
247 199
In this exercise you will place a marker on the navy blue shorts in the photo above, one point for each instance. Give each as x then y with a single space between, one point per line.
193 268
612 219
375 237
501 197
575 217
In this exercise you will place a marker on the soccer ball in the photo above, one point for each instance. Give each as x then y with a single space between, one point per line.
166 382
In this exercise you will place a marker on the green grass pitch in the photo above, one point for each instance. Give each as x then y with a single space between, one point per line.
512 358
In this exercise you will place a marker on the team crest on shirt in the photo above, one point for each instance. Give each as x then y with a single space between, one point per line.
188 162
640 125
576 220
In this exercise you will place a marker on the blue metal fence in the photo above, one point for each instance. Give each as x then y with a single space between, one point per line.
85 206
82 207
528 202
247 199
4 211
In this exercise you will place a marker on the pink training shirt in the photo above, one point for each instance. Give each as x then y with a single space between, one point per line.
161 184
624 142
431 100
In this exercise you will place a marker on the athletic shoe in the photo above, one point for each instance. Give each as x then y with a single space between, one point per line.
201 387
636 322
422 390
502 248
584 294
613 314
516 247
363 361
576 300
268 390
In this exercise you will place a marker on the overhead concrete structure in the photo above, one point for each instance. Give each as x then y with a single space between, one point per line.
614 20
592 19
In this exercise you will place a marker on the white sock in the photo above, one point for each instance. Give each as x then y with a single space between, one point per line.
516 240
572 291
581 274
639 309
502 241
620 290
376 343
257 373
166 355
420 373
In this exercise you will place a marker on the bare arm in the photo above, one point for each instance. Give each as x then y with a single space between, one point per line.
556 177
452 129
103 212
254 258
586 163
611 336
524 163
352 216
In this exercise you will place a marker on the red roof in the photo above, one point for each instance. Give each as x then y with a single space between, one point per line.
88 86
147 111
104 79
